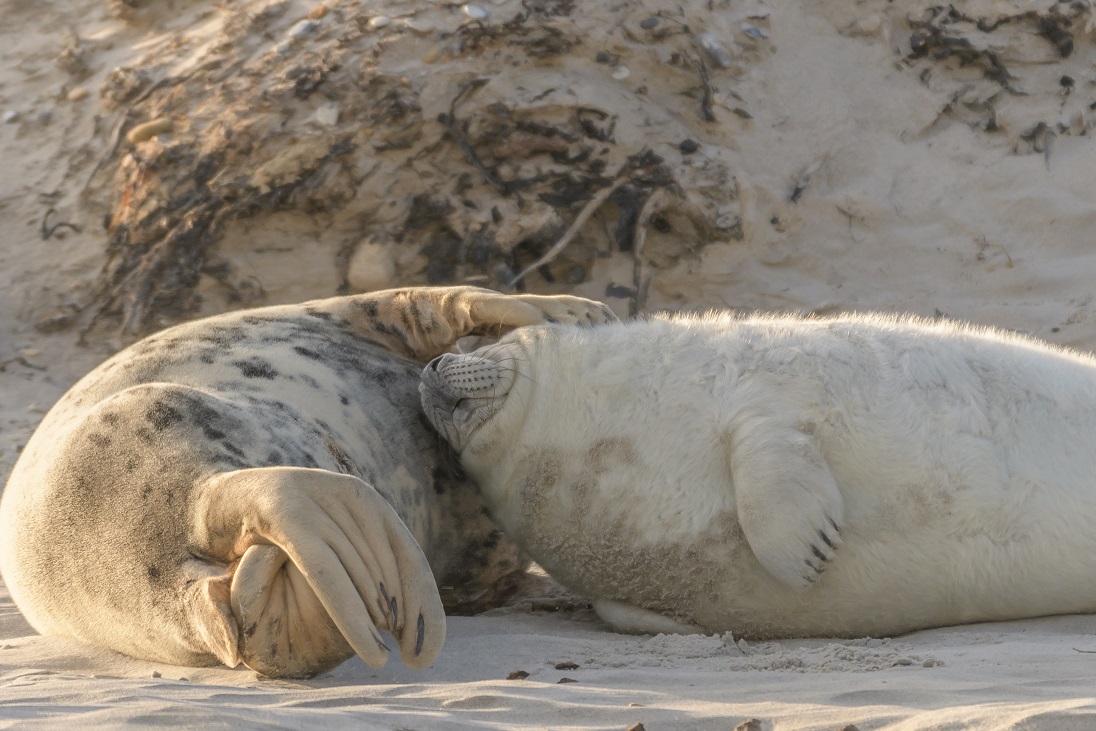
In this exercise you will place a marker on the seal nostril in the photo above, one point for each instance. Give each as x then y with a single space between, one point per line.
433 365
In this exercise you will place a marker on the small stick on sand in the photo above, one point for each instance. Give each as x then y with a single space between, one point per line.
657 201
588 210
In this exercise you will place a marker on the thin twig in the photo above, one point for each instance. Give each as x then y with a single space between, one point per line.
456 132
706 100
658 200
176 80
804 180
48 231
588 210
452 128
114 144
26 363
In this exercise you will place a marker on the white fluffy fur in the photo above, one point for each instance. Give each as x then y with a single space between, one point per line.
686 465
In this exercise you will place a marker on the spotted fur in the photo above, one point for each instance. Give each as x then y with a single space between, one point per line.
262 486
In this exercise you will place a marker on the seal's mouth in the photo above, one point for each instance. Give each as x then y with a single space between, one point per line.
461 392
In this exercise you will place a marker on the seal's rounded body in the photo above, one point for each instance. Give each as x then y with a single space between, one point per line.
261 486
776 477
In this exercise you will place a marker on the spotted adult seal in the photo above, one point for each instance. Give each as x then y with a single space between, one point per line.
780 477
262 487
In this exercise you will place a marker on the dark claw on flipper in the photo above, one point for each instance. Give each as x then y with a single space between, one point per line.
818 554
827 540
381 644
421 629
395 613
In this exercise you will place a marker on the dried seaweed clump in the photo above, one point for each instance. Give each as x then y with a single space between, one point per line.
399 128
980 59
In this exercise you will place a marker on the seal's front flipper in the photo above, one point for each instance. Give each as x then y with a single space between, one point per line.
323 561
788 503
424 322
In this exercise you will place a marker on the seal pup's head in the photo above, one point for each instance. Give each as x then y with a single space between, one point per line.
512 414
461 392
542 395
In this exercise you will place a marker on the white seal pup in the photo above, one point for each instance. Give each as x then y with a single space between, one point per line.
261 487
780 477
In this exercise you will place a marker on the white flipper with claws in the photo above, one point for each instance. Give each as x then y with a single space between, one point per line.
778 476
788 503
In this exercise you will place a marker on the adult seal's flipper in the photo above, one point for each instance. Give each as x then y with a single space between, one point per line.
322 562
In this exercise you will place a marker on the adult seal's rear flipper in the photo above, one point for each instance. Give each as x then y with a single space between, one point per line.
121 525
322 562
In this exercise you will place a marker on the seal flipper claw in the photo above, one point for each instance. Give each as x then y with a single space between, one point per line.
381 643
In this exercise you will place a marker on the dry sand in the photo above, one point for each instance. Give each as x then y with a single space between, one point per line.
937 184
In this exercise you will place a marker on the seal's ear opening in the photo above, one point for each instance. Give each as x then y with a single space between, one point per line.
211 615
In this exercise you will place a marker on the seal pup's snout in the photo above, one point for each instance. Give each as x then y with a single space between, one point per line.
461 391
